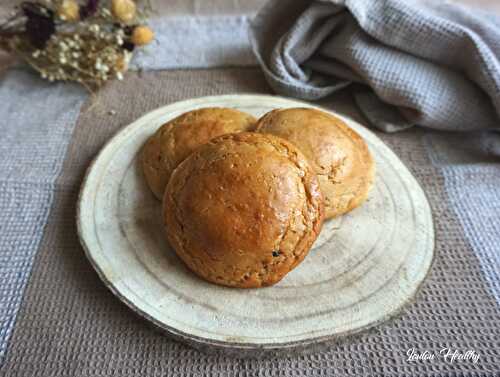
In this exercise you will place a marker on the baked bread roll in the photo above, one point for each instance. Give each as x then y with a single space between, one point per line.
178 138
340 157
243 210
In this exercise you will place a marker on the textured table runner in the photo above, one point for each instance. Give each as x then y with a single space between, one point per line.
58 319
70 324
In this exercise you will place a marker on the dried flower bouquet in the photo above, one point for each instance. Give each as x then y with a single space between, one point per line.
87 42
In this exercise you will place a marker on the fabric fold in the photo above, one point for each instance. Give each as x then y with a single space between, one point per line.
436 63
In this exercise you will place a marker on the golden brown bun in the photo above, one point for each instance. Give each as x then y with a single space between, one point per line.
177 139
340 157
243 210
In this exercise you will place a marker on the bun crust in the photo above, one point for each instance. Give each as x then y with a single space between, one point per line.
339 156
178 138
243 210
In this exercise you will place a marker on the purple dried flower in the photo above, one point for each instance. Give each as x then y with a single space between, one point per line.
129 46
40 23
89 9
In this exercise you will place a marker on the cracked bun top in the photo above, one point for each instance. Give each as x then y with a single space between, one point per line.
339 156
243 210
178 138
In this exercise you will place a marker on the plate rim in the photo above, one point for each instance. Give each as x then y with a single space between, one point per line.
208 344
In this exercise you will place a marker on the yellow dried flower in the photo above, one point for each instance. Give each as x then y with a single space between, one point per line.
142 35
69 10
123 10
122 63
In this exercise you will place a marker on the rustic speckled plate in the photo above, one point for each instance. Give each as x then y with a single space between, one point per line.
362 270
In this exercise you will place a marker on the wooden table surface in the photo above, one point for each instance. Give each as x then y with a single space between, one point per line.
493 5
207 7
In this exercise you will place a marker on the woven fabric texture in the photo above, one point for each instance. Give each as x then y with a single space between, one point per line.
197 42
471 177
71 325
438 63
37 123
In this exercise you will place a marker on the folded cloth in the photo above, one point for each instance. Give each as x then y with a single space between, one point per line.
428 63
